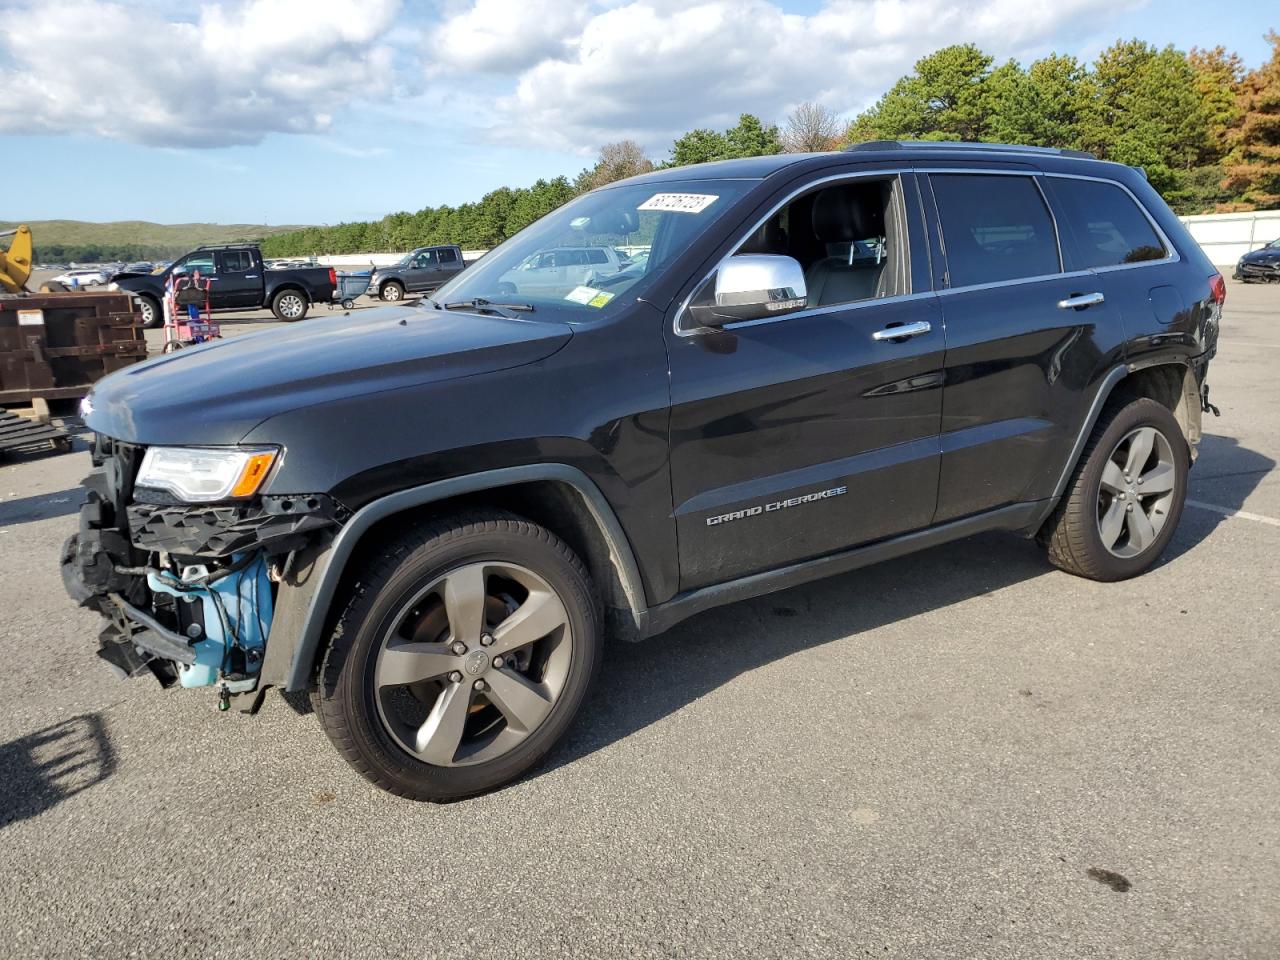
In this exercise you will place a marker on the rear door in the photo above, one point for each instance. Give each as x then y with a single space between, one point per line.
237 281
1027 340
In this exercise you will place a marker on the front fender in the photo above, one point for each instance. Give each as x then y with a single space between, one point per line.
306 595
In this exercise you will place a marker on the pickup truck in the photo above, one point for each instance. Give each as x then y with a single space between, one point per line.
240 282
428 517
421 271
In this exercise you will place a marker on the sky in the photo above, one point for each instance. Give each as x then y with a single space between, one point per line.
319 111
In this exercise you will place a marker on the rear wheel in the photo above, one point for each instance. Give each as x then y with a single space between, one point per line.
392 291
1126 497
289 305
462 657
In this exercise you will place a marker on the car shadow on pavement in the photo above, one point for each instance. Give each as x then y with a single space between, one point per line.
642 683
40 770
1224 475
61 503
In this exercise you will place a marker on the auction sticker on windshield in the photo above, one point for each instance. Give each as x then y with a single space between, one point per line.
679 202
589 296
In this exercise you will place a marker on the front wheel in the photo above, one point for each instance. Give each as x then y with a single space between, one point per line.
1126 496
289 305
149 309
461 658
392 291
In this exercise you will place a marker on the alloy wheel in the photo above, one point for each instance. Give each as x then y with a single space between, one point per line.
1137 490
291 306
472 664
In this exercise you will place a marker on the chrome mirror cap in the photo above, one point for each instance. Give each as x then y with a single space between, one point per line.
752 286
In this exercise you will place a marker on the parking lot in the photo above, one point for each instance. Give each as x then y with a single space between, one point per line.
963 753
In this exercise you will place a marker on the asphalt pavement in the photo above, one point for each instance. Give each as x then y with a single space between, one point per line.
964 753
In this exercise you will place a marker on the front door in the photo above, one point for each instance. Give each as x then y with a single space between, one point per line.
810 433
422 271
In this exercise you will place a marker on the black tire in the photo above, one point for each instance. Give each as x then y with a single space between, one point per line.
392 291
1072 534
289 305
149 308
348 304
345 698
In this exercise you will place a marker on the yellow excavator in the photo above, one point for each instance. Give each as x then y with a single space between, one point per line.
15 263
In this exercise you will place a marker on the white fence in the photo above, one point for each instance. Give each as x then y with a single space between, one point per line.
1226 237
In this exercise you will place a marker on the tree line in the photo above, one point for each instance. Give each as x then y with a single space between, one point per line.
1204 128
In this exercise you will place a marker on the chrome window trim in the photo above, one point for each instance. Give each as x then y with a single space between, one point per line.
699 331
926 167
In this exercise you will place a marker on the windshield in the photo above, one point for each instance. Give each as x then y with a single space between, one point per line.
598 251
1275 243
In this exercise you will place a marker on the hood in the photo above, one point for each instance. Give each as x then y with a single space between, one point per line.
216 393
1264 255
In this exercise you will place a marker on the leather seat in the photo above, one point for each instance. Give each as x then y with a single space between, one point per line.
840 216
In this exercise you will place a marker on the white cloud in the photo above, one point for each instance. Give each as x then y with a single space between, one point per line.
503 36
651 69
237 72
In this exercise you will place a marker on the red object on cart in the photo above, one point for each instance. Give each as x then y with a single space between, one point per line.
188 318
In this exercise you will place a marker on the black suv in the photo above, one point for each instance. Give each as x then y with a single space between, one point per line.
430 516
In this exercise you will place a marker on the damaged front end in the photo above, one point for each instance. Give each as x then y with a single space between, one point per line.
188 590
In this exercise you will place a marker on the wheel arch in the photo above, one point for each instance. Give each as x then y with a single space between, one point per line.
1171 382
560 497
287 285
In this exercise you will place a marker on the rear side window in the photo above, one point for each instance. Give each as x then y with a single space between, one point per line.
995 228
1109 228
448 256
596 256
237 261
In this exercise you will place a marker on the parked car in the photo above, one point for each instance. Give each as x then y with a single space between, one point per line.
142 266
421 271
430 517
559 268
91 277
1261 264
239 282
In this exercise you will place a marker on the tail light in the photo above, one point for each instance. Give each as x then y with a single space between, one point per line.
333 279
1217 289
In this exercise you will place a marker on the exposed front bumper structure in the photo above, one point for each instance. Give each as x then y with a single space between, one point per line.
187 591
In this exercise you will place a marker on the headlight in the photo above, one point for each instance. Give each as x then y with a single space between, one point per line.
113 287
207 473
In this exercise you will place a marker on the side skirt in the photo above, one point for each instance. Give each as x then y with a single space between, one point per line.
1016 517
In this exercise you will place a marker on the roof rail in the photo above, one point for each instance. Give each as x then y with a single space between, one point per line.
965 145
226 246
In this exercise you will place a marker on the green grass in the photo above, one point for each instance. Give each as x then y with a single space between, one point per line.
59 241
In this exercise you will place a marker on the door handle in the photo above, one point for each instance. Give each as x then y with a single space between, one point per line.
251 276
1078 301
903 332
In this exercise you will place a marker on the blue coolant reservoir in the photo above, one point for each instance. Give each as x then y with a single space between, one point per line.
237 612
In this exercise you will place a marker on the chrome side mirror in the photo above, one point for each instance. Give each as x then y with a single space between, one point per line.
751 286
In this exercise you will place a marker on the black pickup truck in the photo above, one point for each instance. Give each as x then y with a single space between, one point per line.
240 282
429 516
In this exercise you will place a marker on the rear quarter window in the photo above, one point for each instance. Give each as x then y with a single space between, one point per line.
1109 228
994 228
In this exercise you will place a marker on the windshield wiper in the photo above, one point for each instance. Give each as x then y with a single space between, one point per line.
489 306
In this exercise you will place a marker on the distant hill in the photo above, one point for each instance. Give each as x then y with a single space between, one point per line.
61 241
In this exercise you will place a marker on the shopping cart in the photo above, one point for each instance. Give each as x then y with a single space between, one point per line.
350 286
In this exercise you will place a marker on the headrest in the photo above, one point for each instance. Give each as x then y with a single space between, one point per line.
848 213
770 238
